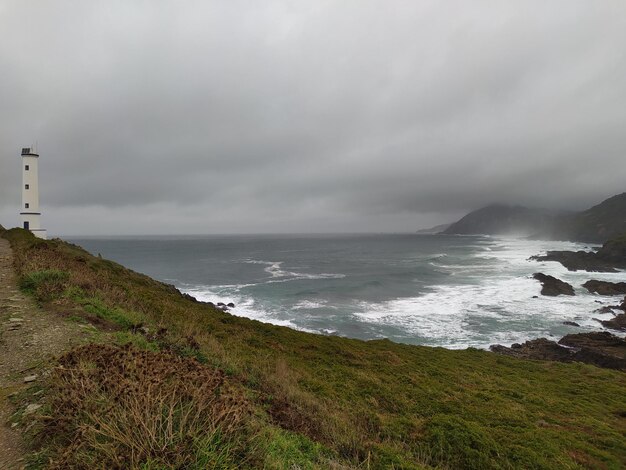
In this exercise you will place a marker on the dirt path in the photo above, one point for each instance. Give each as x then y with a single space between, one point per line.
29 339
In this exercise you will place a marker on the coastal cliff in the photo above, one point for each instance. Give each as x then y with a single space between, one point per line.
266 396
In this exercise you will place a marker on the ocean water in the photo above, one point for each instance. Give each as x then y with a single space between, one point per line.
436 290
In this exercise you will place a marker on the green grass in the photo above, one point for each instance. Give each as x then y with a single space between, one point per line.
331 402
44 284
126 319
287 450
124 338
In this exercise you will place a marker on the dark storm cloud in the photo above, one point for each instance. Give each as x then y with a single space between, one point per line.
294 116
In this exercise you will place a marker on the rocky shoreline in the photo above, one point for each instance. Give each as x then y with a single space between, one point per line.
600 348
610 258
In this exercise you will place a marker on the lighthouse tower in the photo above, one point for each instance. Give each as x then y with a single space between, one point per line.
30 194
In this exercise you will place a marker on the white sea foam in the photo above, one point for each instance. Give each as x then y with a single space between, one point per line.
244 307
489 299
274 268
497 306
310 305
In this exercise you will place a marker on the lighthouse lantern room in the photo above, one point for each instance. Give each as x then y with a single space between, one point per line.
30 193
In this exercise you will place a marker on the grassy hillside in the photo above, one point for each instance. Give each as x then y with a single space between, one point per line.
292 399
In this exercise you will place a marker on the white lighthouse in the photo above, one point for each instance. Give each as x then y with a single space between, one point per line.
30 194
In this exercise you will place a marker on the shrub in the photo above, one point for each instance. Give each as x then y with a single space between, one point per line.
44 285
125 408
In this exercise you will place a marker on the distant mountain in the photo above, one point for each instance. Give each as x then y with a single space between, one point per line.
433 230
596 225
602 222
500 219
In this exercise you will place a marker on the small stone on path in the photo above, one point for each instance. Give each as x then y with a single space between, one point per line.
30 378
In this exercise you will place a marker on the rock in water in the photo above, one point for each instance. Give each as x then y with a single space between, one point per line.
612 255
552 286
607 309
605 287
578 261
618 323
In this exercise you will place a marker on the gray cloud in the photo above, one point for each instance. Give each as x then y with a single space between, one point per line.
242 116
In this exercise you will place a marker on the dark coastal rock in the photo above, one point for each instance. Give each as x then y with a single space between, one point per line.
605 287
601 349
618 323
570 323
540 349
609 258
607 309
552 286
230 305
578 261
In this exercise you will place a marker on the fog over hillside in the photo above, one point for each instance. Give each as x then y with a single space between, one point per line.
280 116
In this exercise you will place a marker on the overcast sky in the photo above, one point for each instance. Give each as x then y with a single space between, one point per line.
291 116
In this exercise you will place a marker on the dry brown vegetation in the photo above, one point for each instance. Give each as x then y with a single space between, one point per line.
119 408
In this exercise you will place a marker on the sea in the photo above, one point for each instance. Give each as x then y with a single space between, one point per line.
436 290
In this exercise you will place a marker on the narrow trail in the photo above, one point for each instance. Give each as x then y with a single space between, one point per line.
29 339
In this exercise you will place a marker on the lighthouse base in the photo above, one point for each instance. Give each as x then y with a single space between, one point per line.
40 233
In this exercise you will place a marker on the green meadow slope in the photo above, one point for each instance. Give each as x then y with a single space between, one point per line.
285 399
